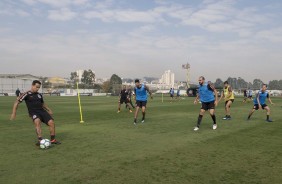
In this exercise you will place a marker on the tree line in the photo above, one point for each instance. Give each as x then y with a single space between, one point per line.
239 83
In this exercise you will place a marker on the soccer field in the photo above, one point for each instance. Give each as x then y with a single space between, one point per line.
108 148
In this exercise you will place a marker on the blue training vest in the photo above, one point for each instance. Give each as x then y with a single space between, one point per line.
141 93
262 97
206 95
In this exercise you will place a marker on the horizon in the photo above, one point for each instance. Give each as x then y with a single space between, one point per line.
219 39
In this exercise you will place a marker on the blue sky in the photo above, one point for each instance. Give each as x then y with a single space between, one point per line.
134 38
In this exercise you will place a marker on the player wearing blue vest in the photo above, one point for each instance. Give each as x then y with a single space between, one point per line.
141 99
171 92
259 102
208 97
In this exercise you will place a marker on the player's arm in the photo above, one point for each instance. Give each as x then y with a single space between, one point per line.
229 92
270 101
45 106
196 99
147 88
222 95
14 111
215 93
257 96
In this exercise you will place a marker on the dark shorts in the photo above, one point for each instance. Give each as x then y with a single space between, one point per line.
123 101
44 116
141 103
232 100
250 96
256 106
208 105
171 95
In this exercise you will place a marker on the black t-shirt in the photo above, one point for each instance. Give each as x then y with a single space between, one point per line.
34 101
123 94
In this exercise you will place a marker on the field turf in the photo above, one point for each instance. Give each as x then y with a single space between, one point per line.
108 148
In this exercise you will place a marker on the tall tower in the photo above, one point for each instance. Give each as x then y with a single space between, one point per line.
187 68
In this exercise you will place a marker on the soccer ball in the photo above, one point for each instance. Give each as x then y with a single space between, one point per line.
45 144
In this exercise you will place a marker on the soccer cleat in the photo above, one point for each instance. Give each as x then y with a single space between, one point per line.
196 128
135 123
143 121
269 120
225 118
214 127
130 111
118 111
54 141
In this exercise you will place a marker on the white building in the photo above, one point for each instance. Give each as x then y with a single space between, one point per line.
167 78
9 83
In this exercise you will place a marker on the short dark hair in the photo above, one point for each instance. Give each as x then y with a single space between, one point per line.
137 80
202 77
264 85
36 82
226 82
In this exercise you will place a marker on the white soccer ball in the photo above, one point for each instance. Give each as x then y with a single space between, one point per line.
45 143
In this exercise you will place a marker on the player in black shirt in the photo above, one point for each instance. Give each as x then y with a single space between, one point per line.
38 111
124 98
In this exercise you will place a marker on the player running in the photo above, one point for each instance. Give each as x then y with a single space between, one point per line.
124 98
259 103
38 111
228 96
208 97
141 99
171 92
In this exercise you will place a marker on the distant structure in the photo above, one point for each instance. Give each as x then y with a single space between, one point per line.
9 83
80 74
187 68
167 78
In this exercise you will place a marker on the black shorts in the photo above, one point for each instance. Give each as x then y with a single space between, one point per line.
256 106
123 101
43 115
208 105
141 103
232 100
250 96
171 95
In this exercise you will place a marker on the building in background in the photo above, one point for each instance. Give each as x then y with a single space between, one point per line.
167 78
9 83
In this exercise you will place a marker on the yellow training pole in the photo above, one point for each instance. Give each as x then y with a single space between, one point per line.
80 110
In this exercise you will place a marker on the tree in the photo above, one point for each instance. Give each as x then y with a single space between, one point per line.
106 86
242 84
74 77
274 84
257 84
88 78
218 83
115 83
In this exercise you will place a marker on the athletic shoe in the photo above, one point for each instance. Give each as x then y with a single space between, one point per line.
196 128
135 123
269 120
225 118
130 110
143 121
214 127
54 141
118 111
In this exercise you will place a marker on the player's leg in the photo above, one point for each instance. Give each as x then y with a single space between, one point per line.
200 117
128 105
143 112
136 112
212 113
228 109
267 114
37 124
51 125
252 111
119 105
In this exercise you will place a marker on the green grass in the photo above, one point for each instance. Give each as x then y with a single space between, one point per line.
108 148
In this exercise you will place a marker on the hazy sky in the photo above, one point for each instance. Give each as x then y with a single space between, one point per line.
136 38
